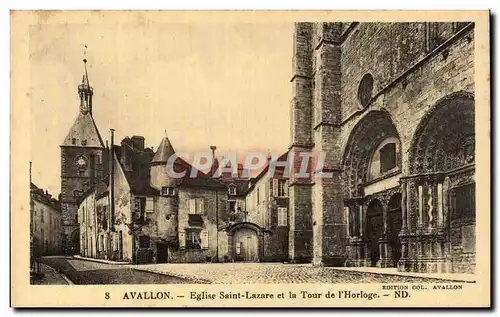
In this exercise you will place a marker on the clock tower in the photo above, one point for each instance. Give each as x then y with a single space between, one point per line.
81 163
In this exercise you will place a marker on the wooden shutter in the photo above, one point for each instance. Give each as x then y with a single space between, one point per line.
204 240
275 187
182 240
192 206
150 204
200 206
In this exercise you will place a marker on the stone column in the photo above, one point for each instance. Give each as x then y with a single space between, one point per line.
300 203
329 233
383 243
420 205
401 265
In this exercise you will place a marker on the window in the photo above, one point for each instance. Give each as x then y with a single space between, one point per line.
84 142
168 191
193 239
76 193
98 159
232 206
238 248
41 216
258 196
282 188
196 206
105 218
365 90
50 220
144 242
139 208
73 141
232 190
282 216
387 157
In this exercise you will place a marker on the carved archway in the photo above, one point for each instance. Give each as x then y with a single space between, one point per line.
444 139
440 188
366 135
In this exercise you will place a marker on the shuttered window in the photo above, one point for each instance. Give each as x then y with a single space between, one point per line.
196 206
282 216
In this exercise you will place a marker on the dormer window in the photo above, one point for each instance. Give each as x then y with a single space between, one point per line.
232 190
73 141
387 157
84 142
167 191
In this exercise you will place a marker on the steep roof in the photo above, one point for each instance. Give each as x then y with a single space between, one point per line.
165 150
278 172
84 128
138 176
200 179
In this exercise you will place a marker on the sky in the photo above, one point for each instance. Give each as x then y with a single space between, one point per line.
223 84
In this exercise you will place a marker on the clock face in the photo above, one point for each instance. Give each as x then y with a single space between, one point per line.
81 162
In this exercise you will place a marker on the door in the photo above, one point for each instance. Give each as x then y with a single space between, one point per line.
394 224
245 246
374 230
162 252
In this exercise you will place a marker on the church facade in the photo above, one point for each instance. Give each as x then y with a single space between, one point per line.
391 105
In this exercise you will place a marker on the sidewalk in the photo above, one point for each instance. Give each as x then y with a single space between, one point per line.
455 277
51 277
78 257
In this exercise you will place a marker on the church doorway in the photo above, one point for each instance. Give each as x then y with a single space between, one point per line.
394 219
375 229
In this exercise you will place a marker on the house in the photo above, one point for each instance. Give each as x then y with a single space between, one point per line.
46 222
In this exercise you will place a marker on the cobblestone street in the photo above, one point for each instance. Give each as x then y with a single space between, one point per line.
248 273
81 271
86 272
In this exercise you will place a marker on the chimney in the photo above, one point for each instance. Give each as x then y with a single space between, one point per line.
138 142
125 153
214 166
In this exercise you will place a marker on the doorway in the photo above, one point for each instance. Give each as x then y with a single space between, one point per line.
375 229
245 245
161 252
394 219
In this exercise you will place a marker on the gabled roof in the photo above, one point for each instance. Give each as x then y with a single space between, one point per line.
278 172
84 128
200 179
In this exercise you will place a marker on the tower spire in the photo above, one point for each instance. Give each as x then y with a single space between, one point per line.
85 91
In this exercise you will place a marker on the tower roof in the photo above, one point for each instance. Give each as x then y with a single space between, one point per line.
165 150
83 129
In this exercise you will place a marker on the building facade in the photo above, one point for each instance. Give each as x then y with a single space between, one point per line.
46 222
140 213
256 230
391 105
